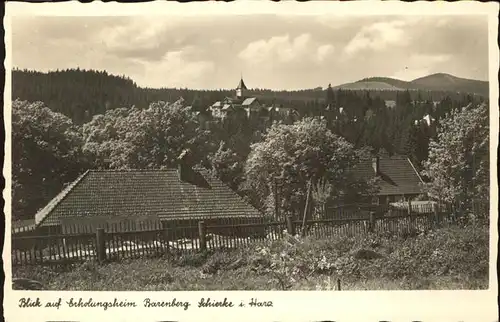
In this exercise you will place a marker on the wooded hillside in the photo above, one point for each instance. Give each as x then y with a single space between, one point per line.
85 119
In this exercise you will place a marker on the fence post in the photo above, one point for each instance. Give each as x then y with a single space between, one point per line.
436 213
101 246
202 231
409 206
289 225
371 224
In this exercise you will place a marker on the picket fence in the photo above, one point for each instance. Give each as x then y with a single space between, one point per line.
176 238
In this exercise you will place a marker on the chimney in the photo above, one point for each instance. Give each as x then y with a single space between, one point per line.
184 166
376 165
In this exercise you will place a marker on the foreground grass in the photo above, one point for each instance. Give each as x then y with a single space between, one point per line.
449 258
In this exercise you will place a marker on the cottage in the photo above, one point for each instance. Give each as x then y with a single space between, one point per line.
119 199
398 179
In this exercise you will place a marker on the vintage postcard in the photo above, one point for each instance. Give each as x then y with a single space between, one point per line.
251 160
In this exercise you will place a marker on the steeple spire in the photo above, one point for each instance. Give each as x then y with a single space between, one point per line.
241 85
241 88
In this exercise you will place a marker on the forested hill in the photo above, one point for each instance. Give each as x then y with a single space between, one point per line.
80 94
440 82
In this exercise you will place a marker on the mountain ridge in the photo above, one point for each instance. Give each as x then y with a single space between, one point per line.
432 82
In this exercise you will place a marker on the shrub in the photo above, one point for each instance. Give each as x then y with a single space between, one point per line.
223 260
192 259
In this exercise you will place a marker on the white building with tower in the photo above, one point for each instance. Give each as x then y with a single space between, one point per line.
239 104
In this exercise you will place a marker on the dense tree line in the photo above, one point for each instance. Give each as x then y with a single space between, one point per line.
125 126
81 94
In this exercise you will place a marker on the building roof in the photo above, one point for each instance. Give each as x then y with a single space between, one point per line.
160 193
22 225
229 100
390 103
249 101
285 110
428 119
397 176
241 84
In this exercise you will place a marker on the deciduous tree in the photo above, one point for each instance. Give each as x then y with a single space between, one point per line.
458 164
144 138
293 155
46 154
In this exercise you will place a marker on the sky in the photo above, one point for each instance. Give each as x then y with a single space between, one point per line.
270 51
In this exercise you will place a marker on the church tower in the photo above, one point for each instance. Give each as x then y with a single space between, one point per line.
241 89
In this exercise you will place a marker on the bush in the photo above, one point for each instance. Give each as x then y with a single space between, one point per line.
449 251
443 252
223 260
192 259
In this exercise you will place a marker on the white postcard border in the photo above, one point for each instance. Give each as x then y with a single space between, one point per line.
288 306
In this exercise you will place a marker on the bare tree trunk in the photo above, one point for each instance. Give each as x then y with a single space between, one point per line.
306 209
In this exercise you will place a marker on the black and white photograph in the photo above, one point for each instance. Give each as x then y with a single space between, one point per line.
250 152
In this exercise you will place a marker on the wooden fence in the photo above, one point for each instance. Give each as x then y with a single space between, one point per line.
53 249
232 233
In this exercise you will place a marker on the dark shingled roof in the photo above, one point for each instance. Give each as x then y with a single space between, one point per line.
397 176
23 223
143 193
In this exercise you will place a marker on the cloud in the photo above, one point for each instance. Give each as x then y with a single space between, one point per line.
285 50
218 41
378 36
176 70
64 28
280 48
324 51
419 65
442 22
429 59
334 22
147 43
135 35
